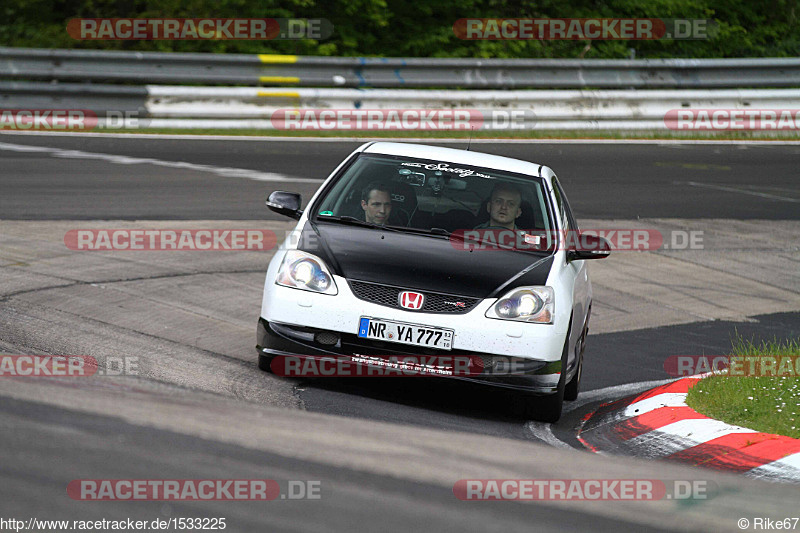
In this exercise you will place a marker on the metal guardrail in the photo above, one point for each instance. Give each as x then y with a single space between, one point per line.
625 94
254 107
282 70
97 98
241 102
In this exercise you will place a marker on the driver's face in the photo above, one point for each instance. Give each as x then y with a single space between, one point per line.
378 207
504 208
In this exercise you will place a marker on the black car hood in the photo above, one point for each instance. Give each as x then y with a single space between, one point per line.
421 262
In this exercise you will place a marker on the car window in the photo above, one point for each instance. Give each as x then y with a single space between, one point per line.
428 194
561 205
572 221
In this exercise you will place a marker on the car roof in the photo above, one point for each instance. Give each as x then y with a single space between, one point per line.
457 156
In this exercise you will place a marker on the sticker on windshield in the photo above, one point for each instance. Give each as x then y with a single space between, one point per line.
443 167
532 239
326 213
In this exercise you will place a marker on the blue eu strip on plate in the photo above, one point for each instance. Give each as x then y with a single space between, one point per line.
363 327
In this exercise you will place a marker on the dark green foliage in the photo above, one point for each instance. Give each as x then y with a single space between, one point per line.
753 28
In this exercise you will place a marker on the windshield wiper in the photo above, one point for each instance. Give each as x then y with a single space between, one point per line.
354 221
432 231
358 222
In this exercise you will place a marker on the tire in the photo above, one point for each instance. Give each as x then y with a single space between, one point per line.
264 363
546 408
572 388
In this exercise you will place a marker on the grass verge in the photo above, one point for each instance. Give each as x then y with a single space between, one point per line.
767 403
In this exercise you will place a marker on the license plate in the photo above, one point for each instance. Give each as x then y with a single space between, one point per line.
386 330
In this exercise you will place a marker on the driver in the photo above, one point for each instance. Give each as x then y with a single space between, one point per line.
376 201
503 207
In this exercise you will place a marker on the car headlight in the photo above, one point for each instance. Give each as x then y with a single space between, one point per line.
525 304
307 272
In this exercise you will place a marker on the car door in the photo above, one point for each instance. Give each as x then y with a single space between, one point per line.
576 271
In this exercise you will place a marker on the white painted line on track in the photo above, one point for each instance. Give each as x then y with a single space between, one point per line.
227 172
430 140
786 467
682 435
543 431
668 399
740 191
615 392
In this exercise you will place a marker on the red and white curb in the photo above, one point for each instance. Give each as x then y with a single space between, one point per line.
658 424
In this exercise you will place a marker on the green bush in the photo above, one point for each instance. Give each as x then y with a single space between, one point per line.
396 28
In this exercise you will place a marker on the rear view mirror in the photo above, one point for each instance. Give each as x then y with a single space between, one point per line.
285 203
417 179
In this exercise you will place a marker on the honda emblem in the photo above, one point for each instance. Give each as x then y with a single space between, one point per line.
411 300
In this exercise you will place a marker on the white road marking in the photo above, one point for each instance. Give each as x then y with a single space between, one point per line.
227 172
667 399
784 468
544 432
740 191
616 392
682 435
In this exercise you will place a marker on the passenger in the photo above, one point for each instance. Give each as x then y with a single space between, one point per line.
376 201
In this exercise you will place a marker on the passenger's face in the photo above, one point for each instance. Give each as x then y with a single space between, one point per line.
504 208
378 207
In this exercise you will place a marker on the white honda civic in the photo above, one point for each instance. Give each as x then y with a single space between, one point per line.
467 259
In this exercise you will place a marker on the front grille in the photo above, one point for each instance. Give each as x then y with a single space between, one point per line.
434 302
328 338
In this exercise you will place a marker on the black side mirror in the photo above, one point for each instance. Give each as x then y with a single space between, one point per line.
589 246
285 203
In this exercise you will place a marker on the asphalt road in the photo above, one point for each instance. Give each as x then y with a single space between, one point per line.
349 499
602 180
191 320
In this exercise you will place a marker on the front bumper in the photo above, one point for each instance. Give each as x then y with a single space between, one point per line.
515 373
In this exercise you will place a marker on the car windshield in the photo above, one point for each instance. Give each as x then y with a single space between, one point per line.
434 197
